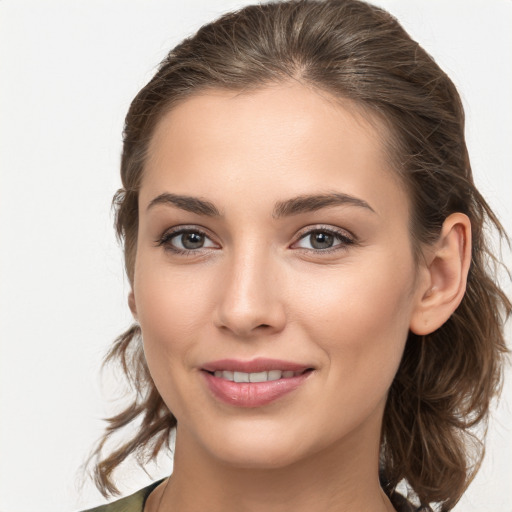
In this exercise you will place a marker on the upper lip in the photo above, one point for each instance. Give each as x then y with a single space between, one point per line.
259 364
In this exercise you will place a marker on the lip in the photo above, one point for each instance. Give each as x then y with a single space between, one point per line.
253 394
259 364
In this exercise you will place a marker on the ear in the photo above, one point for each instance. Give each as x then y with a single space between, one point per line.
131 303
447 266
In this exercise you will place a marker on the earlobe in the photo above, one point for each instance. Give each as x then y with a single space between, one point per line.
132 305
446 276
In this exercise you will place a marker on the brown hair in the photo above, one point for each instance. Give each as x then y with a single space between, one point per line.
352 50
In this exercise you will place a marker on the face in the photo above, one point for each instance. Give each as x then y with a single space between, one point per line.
273 237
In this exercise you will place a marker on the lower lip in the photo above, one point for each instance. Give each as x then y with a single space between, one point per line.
252 394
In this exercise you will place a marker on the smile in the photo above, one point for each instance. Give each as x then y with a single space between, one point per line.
264 376
253 383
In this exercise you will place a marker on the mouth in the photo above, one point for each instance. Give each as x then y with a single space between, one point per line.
263 376
254 383
257 365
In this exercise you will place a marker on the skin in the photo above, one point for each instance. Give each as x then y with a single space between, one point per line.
258 287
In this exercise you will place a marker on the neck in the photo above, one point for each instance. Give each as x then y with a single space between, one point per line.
333 480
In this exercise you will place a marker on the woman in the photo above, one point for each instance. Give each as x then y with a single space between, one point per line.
309 271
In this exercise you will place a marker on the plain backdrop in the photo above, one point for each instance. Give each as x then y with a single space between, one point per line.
68 70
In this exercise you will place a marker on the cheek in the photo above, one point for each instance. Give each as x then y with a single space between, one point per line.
172 314
170 322
360 319
170 305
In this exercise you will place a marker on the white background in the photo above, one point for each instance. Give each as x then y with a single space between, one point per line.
68 70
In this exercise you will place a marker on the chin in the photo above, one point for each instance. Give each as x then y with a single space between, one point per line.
259 458
257 449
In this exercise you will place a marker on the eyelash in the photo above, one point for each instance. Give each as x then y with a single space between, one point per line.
345 239
165 240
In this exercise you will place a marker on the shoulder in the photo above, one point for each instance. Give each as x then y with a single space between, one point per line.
133 503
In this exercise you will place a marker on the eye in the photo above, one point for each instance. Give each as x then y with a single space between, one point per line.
322 239
185 240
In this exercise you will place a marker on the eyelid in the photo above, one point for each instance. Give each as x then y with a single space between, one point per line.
164 240
346 237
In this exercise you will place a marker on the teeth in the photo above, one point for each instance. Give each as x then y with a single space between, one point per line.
275 374
258 377
255 377
241 377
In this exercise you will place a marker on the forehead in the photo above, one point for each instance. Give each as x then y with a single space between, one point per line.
282 139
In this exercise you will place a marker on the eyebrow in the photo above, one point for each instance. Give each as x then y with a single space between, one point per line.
311 203
290 207
188 203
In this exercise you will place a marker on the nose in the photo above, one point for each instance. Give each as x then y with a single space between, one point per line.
251 298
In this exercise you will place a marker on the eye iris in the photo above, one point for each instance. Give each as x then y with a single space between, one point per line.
192 240
321 240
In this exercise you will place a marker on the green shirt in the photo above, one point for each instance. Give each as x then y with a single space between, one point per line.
133 503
